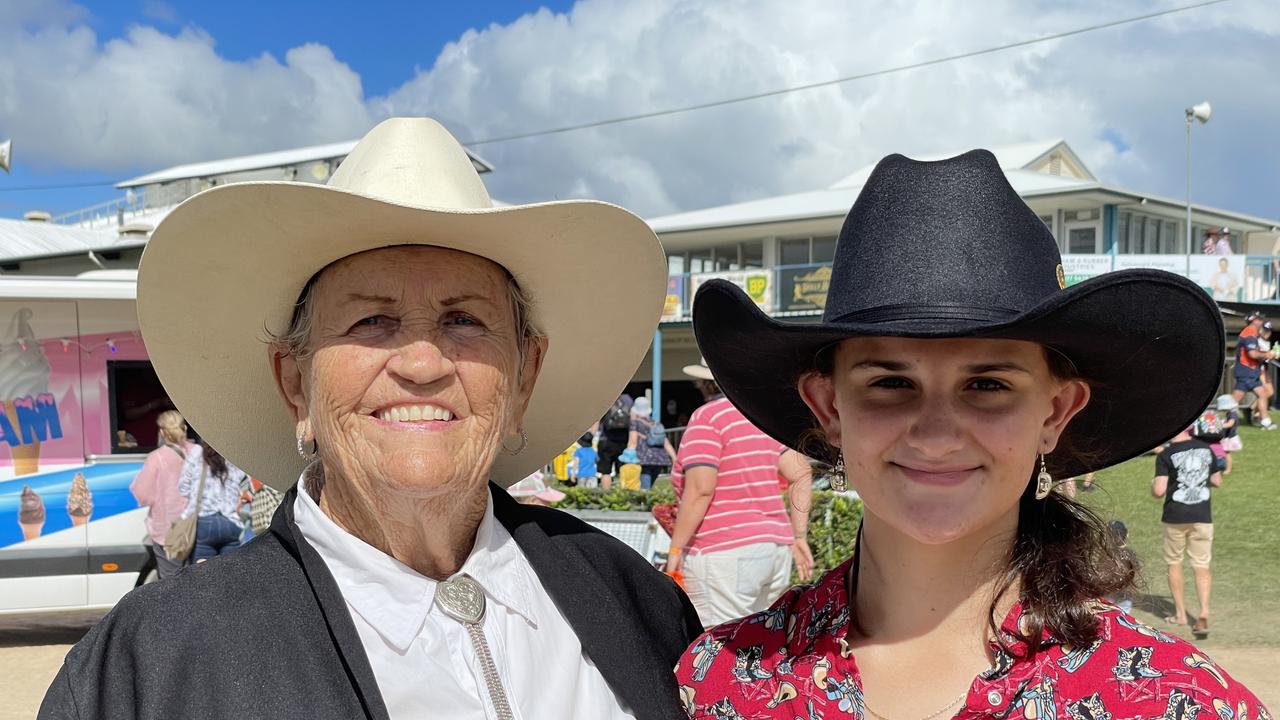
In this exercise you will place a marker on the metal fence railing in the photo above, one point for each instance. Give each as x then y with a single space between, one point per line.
802 289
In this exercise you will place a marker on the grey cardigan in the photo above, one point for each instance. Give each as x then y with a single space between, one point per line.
265 633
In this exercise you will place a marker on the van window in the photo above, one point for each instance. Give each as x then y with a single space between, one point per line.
137 399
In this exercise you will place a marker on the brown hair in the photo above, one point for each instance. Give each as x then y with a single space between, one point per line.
1064 556
217 464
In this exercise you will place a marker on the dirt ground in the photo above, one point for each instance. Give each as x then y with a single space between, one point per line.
32 647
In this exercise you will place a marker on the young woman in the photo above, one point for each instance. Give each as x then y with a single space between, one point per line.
213 482
953 379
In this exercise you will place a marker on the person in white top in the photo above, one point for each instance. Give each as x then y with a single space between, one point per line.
427 357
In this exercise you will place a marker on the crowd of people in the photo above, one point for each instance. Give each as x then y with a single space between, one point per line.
181 479
424 356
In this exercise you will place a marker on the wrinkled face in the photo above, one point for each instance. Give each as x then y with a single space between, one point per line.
941 437
413 376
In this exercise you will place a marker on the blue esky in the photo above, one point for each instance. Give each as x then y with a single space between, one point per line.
99 91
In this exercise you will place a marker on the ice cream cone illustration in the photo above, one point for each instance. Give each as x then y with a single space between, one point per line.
24 379
26 458
79 501
30 514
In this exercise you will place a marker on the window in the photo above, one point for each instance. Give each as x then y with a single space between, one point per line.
1150 235
137 399
726 258
753 254
824 250
675 264
1170 243
793 252
1082 240
700 261
1122 233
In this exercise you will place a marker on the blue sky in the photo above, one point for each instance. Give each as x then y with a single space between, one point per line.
102 91
382 41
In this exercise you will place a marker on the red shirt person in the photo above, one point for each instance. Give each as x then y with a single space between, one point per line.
953 382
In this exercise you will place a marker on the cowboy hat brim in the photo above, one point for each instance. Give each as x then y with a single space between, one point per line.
226 267
700 372
1151 344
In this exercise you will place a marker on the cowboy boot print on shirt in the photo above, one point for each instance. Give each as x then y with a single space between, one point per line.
1134 664
1075 658
1090 708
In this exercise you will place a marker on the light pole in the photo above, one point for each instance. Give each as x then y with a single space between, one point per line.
1199 112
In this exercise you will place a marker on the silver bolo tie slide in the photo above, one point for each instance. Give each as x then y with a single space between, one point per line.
462 599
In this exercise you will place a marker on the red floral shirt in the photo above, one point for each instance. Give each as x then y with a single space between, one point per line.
790 662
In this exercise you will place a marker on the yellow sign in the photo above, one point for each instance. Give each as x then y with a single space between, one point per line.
671 308
812 287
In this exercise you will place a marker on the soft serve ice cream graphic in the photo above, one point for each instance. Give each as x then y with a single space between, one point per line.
30 413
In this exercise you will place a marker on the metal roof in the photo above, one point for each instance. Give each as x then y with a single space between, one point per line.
262 161
25 239
836 199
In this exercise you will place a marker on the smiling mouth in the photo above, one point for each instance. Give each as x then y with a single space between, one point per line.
944 478
414 414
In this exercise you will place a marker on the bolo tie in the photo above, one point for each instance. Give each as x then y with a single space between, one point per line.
462 599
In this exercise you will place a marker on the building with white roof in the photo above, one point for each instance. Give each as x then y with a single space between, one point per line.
111 235
780 248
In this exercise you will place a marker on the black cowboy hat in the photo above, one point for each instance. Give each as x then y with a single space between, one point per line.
948 249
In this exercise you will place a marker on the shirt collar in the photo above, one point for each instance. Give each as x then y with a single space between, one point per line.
819 617
393 598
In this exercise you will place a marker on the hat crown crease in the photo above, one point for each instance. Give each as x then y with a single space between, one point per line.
412 161
947 234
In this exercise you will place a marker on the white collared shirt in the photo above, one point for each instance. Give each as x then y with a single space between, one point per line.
424 661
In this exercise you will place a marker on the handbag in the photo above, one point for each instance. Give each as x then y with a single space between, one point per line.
665 514
181 538
265 502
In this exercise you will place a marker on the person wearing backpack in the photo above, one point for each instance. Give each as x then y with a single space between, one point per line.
649 440
614 432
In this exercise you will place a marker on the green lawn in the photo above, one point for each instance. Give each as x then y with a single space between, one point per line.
1245 605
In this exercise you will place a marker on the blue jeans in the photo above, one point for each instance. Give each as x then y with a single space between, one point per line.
649 473
215 535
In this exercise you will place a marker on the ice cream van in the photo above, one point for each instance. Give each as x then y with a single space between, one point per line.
80 403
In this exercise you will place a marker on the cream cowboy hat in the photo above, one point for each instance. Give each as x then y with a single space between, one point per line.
226 267
699 371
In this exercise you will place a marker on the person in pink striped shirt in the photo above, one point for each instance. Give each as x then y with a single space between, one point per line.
732 539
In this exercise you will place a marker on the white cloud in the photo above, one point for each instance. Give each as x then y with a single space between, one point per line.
615 57
151 98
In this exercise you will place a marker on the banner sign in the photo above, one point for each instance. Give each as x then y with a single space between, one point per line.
756 283
1078 268
1222 276
673 308
1176 264
803 288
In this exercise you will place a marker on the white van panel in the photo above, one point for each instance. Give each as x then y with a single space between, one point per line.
43 593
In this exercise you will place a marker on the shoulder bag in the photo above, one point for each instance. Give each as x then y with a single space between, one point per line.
181 538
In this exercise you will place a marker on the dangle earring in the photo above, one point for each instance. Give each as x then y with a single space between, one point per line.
302 446
1044 481
839 481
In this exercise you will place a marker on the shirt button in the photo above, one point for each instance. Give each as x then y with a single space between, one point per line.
994 698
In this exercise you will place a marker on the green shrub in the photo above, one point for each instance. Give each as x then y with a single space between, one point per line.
833 520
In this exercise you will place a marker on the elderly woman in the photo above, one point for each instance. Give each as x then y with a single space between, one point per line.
424 362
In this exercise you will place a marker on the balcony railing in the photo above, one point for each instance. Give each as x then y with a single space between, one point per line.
794 290
112 213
